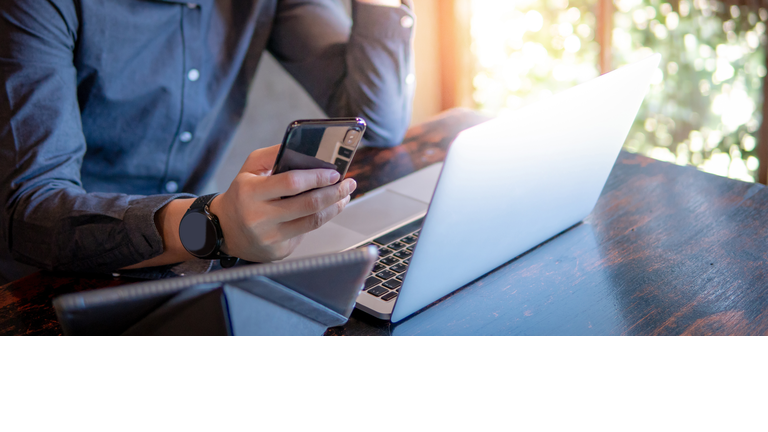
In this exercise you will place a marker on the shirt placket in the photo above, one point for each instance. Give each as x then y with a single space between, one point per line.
191 92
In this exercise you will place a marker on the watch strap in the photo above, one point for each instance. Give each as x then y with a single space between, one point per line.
202 201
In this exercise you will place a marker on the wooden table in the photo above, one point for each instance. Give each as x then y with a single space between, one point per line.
668 250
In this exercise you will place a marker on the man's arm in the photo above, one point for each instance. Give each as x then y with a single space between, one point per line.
360 68
49 221
258 224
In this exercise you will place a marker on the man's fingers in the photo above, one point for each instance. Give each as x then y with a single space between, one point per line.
261 160
294 182
312 222
314 201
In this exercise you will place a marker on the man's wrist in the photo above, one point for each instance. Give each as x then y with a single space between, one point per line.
167 220
214 207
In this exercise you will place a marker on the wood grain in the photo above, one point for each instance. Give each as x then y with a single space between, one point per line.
26 306
668 250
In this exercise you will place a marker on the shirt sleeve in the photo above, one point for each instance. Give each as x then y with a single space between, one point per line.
48 220
360 68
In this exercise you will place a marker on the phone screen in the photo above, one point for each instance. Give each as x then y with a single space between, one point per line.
310 145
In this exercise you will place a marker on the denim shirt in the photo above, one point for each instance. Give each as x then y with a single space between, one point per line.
109 109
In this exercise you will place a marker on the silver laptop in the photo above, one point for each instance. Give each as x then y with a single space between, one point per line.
505 186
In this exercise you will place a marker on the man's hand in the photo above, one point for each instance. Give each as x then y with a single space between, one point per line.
258 225
390 3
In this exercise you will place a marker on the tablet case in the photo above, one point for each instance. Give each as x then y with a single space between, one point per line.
301 297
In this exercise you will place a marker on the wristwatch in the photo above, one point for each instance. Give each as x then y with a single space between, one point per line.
200 232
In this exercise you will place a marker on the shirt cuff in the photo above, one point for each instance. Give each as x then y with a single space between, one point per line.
382 22
145 239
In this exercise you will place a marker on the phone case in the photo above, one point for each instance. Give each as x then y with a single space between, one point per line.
322 143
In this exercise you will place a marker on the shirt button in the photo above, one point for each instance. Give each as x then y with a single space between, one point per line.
171 186
185 137
410 79
406 21
193 74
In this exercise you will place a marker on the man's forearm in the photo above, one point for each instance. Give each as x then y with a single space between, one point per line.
370 78
379 79
167 221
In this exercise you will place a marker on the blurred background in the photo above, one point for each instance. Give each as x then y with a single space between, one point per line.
704 107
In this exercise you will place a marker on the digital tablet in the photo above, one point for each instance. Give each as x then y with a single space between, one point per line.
324 287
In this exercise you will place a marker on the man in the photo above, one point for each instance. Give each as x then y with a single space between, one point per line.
109 108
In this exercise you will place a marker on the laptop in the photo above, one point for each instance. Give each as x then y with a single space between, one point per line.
506 186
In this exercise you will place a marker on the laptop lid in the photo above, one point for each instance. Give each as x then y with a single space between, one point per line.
511 183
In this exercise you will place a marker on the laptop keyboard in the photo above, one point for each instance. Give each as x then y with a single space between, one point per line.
394 256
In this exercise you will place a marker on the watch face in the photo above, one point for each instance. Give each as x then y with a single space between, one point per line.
198 234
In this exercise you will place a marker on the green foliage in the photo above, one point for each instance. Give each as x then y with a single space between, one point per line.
704 106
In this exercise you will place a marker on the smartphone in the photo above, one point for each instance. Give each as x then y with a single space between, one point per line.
327 143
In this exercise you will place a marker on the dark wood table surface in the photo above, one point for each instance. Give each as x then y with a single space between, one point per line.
668 250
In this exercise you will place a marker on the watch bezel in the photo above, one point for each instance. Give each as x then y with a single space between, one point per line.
213 221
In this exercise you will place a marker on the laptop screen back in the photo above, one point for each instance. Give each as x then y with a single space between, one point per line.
509 184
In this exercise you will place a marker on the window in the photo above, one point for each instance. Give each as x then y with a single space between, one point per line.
705 103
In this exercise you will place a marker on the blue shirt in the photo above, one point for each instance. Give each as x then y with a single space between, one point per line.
106 107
